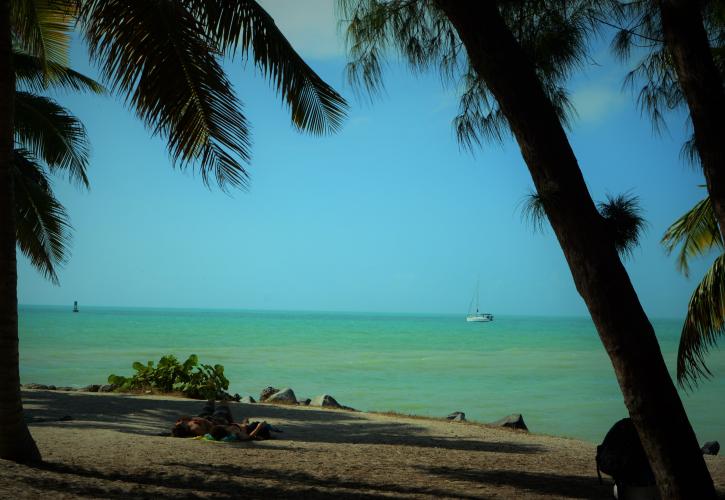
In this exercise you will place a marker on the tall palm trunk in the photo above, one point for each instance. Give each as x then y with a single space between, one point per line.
600 277
15 440
686 40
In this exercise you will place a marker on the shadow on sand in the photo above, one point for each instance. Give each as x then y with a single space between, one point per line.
153 417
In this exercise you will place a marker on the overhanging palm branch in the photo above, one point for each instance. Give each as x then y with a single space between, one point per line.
246 27
43 27
52 135
43 228
157 55
705 322
35 75
696 233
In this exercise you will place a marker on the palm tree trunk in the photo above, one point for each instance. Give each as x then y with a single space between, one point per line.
15 440
600 277
686 40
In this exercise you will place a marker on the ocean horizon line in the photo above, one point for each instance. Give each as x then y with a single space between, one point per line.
316 311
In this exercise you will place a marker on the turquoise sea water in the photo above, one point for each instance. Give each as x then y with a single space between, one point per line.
552 370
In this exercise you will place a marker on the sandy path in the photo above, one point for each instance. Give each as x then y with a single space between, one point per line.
111 449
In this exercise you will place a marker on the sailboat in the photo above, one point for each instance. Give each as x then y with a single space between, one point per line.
477 317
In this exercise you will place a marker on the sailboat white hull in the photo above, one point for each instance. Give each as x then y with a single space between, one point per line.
479 318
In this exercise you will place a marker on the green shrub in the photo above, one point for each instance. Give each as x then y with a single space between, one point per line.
190 378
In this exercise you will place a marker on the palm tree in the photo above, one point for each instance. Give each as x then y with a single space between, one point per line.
697 234
163 57
513 58
49 139
683 65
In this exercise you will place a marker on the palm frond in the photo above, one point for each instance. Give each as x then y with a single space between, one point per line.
623 219
704 323
533 211
52 134
696 233
43 27
36 75
157 55
43 230
245 26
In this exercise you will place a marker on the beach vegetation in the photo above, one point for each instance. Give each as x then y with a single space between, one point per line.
190 378
510 61
163 59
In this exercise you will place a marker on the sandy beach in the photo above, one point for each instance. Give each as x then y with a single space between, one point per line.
111 448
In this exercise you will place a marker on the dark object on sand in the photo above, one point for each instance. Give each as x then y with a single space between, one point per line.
247 400
266 393
457 416
621 456
711 448
304 402
513 421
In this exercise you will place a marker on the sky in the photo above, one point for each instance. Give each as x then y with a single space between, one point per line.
388 215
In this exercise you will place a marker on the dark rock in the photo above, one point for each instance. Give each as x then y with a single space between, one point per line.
107 388
247 400
285 396
514 421
711 448
305 402
52 388
90 388
457 416
65 388
42 387
325 400
237 397
65 418
266 393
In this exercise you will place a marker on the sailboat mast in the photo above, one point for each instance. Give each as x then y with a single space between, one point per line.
478 282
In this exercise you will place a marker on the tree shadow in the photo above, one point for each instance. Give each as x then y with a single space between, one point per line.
154 417
566 486
167 486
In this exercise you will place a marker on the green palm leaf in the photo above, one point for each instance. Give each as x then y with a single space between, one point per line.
157 55
696 232
245 26
52 134
704 323
33 74
43 228
43 27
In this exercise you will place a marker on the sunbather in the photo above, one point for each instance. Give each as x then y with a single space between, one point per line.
218 423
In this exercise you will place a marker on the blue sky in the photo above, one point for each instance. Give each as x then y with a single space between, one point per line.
388 215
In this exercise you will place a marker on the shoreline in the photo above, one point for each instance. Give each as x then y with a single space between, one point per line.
111 448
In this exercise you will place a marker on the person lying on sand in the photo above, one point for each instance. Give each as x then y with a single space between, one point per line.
218 424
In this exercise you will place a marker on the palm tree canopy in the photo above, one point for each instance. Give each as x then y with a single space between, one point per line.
163 57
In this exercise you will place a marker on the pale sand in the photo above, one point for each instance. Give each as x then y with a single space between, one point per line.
111 449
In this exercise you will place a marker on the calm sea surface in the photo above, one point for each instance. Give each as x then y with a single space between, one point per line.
554 371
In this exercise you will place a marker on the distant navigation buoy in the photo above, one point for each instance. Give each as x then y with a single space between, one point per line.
75 306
